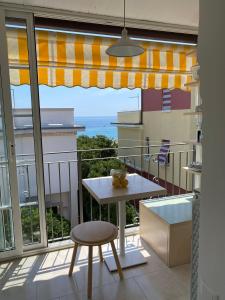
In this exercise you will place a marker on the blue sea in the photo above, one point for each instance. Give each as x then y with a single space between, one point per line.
98 126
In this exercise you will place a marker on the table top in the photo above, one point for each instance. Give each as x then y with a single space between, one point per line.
173 210
138 188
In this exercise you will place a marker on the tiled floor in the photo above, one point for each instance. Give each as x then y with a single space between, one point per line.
45 277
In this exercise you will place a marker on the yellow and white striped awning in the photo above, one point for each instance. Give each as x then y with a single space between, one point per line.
70 60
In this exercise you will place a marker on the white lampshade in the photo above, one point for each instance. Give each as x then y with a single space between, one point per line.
125 47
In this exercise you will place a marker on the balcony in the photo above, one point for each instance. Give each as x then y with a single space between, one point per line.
67 203
46 277
45 274
65 197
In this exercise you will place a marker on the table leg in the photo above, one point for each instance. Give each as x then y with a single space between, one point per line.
122 224
133 257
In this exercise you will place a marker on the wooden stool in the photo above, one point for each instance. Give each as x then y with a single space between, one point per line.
95 233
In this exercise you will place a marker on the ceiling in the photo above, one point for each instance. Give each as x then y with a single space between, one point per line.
176 12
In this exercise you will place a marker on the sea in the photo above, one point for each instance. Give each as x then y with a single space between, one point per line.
100 125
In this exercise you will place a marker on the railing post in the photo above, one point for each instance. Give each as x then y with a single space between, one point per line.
141 160
193 160
186 176
80 189
173 173
179 180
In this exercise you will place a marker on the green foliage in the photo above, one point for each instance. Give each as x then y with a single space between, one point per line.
6 237
97 168
30 224
103 167
98 142
57 226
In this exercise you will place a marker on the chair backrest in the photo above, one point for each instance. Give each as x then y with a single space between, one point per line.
164 151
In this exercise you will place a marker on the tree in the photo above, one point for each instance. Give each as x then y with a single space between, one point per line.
97 168
57 226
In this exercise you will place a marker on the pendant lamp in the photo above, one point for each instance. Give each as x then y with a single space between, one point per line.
125 47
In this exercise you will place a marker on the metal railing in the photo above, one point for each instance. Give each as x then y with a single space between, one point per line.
67 203
171 176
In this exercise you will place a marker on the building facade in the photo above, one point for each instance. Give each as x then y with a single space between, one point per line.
59 157
160 119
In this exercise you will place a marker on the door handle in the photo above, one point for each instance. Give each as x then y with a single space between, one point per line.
12 150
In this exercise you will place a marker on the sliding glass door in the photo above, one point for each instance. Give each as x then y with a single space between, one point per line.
22 206
10 226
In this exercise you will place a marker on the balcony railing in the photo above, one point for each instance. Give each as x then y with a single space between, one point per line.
67 203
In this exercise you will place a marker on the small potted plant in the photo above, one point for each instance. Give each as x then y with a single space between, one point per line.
119 178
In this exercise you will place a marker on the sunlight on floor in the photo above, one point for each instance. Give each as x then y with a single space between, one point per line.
45 277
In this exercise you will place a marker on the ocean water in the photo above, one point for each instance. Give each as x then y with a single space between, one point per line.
98 126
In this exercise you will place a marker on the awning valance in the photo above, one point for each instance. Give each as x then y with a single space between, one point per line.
77 60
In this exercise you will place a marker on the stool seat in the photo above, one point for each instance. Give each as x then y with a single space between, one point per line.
94 233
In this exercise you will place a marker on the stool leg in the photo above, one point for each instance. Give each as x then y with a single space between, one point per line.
116 260
100 253
73 259
90 253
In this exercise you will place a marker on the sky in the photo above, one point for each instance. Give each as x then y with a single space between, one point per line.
87 102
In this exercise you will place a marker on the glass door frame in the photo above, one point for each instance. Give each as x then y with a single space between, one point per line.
32 57
13 186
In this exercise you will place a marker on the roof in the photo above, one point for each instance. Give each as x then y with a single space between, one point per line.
51 127
128 125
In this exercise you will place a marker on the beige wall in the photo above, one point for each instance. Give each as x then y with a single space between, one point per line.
129 116
130 137
173 125
176 127
158 125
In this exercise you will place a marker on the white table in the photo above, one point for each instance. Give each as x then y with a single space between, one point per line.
138 188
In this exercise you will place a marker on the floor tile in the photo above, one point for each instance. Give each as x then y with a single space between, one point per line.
45 277
19 292
124 290
56 287
73 296
101 275
160 286
183 275
154 263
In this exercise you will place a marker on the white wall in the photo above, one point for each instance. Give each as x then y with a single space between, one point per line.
212 212
53 140
49 116
66 142
173 11
63 116
58 142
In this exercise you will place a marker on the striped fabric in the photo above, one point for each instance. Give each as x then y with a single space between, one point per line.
77 60
166 100
164 150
